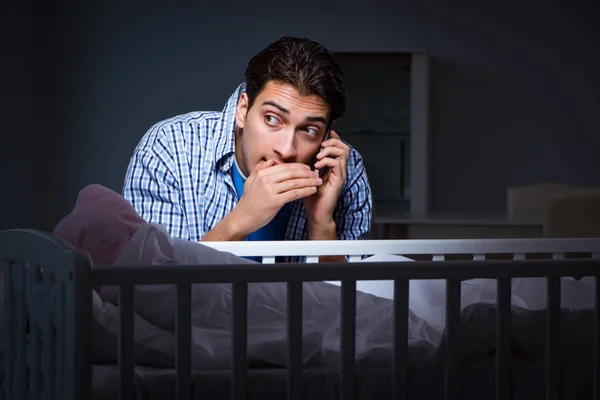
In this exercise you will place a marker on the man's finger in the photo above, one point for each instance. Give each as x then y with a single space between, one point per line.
293 184
263 165
335 143
331 152
285 167
296 173
334 166
296 194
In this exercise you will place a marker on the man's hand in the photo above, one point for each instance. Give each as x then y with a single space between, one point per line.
320 206
270 187
266 191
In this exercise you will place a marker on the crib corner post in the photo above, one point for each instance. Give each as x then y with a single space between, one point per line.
81 340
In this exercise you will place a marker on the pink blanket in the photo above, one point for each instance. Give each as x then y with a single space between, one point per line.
101 224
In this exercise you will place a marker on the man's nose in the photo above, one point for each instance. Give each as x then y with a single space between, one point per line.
285 146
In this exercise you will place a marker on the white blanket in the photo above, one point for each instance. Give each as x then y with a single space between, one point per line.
428 297
267 316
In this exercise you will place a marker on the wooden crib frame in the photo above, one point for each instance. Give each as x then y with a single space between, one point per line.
57 328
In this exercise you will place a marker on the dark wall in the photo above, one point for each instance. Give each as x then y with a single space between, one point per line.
515 89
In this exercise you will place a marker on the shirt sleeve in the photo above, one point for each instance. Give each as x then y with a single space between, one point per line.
152 188
354 212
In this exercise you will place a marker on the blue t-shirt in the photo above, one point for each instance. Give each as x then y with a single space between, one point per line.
274 230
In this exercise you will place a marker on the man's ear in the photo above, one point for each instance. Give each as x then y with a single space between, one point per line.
241 111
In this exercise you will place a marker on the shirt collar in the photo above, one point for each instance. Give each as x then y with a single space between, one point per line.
225 130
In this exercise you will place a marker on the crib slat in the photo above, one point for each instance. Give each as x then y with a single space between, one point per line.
21 320
354 258
9 323
558 256
400 368
518 256
478 257
348 339
240 340
294 334
184 340
34 311
438 257
452 386
552 339
503 340
597 341
49 355
312 259
268 260
125 342
59 324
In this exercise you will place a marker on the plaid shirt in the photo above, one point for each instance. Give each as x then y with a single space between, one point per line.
180 176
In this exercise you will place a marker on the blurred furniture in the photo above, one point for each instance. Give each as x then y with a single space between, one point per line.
541 210
531 200
573 214
566 211
410 225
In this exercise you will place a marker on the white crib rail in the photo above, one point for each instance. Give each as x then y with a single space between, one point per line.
354 249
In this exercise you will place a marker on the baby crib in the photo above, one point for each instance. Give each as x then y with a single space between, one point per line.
47 339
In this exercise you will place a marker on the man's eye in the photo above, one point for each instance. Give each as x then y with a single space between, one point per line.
312 132
271 120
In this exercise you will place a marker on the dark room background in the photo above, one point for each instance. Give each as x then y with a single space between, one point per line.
515 91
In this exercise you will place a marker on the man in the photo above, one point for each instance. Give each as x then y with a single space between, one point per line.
251 172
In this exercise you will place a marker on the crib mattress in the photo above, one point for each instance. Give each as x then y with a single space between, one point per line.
320 384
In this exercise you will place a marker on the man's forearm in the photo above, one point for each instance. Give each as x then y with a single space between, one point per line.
324 230
227 230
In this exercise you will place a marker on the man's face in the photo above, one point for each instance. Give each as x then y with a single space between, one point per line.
281 125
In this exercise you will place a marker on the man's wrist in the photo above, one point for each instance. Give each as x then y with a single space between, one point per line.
236 226
230 228
322 229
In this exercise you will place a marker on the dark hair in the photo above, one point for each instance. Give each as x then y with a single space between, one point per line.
306 65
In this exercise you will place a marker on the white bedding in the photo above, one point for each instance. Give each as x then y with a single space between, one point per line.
428 297
211 316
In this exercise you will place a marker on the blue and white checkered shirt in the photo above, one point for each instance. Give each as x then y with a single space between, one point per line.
180 177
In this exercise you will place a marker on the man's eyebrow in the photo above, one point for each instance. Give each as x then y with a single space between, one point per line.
317 119
280 107
286 111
